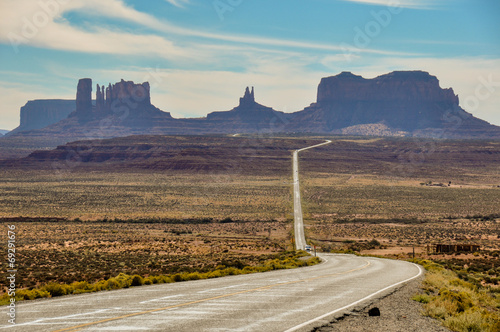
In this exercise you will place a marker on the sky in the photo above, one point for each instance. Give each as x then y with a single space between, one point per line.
199 55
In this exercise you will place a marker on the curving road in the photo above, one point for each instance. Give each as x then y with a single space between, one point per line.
300 239
285 300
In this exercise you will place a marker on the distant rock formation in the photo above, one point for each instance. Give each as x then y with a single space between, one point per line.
406 86
248 100
404 102
40 113
124 101
401 103
250 116
84 99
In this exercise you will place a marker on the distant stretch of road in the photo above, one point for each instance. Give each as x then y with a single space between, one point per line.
300 239
284 300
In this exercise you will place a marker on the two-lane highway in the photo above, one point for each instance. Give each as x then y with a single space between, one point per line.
300 239
285 300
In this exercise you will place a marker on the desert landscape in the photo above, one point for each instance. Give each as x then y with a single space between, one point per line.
144 144
182 207
212 193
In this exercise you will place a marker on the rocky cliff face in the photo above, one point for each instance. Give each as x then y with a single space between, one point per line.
249 116
125 101
406 86
84 99
409 102
37 114
396 104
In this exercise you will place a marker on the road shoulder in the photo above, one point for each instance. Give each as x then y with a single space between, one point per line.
398 312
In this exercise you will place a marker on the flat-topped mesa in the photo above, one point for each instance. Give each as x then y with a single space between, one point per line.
37 114
415 86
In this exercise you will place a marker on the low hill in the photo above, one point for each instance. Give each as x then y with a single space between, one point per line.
180 153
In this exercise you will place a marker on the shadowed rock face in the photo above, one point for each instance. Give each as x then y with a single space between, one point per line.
249 116
407 102
401 103
410 86
84 98
126 102
136 95
38 114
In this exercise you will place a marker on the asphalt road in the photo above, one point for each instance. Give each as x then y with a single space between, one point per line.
285 300
300 239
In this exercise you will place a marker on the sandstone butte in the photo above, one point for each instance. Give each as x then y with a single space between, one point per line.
401 103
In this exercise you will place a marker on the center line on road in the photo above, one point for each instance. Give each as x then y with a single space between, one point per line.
77 327
161 298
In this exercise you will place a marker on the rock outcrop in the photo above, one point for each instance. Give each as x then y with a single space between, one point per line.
40 113
249 116
406 86
396 104
405 102
84 99
124 101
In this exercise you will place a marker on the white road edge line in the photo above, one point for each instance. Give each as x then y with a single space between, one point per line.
36 322
295 328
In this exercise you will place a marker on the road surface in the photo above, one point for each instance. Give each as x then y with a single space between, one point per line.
300 239
285 300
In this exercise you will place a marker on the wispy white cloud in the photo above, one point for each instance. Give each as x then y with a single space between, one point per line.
178 3
27 22
415 4
280 69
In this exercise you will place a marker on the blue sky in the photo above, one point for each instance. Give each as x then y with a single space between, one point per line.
199 55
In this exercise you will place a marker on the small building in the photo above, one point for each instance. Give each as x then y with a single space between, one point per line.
441 248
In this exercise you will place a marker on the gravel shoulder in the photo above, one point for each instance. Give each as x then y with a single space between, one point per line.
398 313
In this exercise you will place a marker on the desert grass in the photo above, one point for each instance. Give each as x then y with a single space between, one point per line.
460 305
285 260
329 196
64 252
91 196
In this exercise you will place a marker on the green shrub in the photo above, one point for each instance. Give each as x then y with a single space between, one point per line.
26 294
137 280
422 298
285 260
460 305
471 321
55 289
